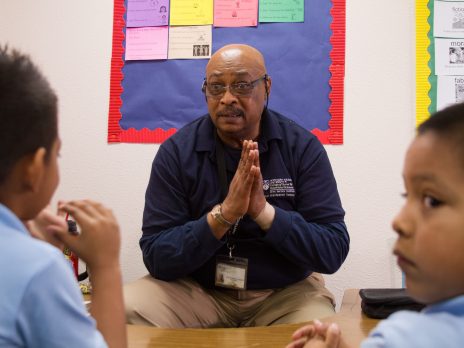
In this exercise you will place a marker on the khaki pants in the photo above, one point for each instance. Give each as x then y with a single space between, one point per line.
184 303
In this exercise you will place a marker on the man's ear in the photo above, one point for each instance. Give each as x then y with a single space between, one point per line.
267 86
34 169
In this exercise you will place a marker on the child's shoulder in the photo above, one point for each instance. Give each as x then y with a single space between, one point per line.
38 286
22 247
22 258
453 306
438 325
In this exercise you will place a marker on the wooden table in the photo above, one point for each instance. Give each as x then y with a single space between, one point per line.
354 325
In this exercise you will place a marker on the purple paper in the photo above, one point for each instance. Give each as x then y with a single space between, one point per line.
147 13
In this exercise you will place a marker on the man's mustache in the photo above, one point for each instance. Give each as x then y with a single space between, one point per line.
230 111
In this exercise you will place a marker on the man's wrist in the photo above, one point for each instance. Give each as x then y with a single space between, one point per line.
216 213
266 217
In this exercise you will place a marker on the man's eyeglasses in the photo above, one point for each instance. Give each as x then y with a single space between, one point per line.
239 89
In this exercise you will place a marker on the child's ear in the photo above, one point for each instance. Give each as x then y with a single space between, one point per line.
34 169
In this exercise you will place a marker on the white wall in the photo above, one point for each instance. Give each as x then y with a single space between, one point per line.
71 41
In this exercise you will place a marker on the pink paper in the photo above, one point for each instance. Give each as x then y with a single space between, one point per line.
236 13
146 43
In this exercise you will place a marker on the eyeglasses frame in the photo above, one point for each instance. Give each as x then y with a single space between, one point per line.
252 83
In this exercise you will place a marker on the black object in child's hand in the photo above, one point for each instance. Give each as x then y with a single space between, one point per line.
72 227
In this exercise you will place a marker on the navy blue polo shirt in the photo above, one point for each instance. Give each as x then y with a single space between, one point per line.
308 233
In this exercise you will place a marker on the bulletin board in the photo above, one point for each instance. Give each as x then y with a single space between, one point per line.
439 55
151 99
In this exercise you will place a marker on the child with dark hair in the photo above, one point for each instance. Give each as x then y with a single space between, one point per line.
430 245
41 302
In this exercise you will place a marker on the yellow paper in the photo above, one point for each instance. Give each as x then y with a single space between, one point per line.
422 61
191 12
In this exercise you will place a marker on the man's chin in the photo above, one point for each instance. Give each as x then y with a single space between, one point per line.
230 125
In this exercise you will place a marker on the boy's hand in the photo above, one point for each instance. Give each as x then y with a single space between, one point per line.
319 335
99 241
48 227
301 336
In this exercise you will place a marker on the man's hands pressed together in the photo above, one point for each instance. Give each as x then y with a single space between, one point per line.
246 195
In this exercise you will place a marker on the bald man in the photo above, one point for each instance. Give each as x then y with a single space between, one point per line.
241 211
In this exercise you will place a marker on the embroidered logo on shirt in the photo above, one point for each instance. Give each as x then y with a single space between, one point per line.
278 188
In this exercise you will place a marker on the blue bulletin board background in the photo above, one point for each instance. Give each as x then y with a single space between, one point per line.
150 100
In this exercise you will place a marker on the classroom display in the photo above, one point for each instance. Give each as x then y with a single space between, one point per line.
440 55
161 48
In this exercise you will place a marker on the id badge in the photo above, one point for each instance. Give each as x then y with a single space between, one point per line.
231 272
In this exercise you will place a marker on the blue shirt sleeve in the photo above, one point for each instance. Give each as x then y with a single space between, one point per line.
172 252
314 234
320 247
52 312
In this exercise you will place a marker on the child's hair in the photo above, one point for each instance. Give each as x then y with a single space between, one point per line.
449 125
28 110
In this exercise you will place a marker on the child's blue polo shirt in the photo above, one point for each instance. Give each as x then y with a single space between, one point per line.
440 325
41 304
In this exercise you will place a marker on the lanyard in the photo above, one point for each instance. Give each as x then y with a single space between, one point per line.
221 167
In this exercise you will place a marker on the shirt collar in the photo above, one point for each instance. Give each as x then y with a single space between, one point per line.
205 135
454 306
9 219
270 130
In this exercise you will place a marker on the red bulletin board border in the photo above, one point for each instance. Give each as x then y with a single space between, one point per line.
334 135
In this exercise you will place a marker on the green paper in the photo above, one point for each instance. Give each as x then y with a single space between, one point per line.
283 11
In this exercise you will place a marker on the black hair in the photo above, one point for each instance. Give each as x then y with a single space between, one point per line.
28 110
449 125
